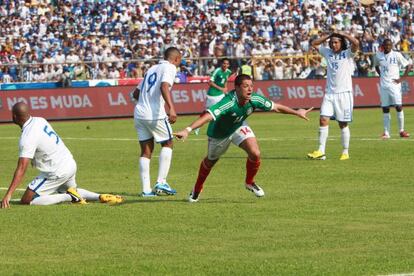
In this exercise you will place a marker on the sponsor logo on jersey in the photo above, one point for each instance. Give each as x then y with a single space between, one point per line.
217 112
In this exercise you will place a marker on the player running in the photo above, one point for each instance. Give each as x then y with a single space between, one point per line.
217 85
228 125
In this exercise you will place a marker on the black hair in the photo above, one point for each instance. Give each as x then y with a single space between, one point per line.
170 52
240 78
386 40
344 44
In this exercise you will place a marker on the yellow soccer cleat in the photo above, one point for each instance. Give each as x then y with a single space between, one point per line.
344 156
76 197
316 155
111 199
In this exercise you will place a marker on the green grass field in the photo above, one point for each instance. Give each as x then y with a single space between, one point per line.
330 217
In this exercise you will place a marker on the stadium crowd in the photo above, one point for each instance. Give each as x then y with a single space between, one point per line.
116 39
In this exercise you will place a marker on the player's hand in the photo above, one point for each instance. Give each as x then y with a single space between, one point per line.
182 134
172 118
303 113
5 203
397 81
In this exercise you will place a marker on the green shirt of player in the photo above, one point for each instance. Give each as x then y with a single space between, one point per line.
219 77
228 115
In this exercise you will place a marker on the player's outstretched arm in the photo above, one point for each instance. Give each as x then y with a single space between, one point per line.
183 134
302 113
21 168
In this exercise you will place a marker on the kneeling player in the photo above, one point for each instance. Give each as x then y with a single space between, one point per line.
41 145
229 126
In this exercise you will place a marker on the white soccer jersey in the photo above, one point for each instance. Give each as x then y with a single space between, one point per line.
340 69
150 104
390 65
41 143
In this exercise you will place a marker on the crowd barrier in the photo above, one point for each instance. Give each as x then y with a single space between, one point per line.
116 101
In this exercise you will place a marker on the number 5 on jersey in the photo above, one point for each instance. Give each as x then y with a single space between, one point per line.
50 133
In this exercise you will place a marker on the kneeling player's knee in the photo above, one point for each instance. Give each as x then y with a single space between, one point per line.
386 109
399 108
25 201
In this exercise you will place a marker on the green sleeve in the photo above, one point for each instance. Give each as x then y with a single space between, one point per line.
221 108
261 102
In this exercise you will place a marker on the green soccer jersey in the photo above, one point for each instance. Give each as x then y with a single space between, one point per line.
219 77
228 115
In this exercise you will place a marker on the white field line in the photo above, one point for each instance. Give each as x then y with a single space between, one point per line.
204 139
4 188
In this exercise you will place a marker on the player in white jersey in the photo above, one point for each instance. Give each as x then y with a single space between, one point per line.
42 146
338 100
388 64
153 124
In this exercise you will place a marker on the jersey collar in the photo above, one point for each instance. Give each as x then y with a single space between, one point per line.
28 122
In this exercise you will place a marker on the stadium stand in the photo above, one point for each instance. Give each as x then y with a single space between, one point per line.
56 40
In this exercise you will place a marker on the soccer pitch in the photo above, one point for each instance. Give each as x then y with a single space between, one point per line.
331 217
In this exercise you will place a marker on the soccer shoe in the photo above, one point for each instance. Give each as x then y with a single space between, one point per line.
255 189
163 189
76 197
385 136
150 194
316 155
404 134
344 156
111 199
193 197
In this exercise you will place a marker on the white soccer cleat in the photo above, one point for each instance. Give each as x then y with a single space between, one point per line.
193 197
385 136
255 189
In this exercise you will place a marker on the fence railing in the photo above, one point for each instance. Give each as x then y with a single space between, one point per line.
264 67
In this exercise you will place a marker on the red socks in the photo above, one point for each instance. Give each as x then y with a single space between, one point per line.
252 167
203 172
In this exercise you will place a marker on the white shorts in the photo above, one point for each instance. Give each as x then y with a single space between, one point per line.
47 184
391 95
160 130
339 106
217 147
212 100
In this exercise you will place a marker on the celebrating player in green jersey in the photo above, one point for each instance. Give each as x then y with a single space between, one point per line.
228 125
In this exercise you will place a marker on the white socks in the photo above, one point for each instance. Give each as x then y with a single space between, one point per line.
51 199
164 164
345 137
91 196
400 117
323 136
164 167
387 122
144 172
